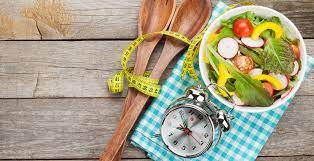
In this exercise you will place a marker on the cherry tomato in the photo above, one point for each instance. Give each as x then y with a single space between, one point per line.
242 27
269 88
244 63
296 51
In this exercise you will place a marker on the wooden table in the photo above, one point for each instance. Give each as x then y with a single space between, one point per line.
55 104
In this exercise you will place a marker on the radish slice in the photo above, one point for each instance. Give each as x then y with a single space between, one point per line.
296 68
283 96
282 78
237 100
228 47
251 43
255 72
239 41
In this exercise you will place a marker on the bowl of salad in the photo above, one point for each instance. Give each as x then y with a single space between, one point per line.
256 54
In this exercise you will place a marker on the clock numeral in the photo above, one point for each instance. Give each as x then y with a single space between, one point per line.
181 112
206 135
175 142
202 142
200 117
170 134
174 116
205 126
183 147
193 147
191 112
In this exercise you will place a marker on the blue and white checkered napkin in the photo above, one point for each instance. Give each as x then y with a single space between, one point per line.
248 135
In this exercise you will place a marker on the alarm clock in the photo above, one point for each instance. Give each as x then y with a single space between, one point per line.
192 124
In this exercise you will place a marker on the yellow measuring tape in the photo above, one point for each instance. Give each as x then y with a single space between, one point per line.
192 52
148 85
143 84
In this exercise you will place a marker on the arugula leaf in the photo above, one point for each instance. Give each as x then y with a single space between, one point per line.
278 56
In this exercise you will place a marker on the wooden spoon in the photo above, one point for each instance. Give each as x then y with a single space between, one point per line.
154 16
190 19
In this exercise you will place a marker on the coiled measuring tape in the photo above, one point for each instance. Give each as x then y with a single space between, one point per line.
192 52
143 83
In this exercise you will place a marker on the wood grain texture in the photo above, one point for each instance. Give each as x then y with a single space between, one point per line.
37 69
77 128
107 19
57 121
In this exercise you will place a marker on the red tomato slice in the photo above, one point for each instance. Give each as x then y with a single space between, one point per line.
242 27
269 88
244 63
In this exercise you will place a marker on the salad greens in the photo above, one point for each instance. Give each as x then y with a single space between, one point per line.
248 90
247 47
257 58
278 56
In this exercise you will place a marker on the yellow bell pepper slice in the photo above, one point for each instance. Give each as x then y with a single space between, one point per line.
222 80
210 39
272 80
265 26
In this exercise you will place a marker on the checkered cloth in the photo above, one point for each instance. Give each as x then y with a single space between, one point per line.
244 141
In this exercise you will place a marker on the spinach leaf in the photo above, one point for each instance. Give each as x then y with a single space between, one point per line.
278 56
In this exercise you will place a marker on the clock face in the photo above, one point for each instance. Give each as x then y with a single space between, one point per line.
187 131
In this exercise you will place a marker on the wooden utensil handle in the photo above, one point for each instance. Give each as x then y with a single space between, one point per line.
124 127
144 52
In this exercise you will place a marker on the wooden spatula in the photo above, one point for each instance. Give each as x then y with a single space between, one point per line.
190 19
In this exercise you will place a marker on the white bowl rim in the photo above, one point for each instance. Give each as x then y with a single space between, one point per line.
301 74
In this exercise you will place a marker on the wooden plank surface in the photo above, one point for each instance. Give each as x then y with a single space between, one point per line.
36 69
79 128
54 102
107 19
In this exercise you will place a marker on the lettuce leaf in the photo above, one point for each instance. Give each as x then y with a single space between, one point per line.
256 58
278 56
250 91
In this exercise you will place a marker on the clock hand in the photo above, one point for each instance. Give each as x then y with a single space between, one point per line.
184 120
181 128
194 138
